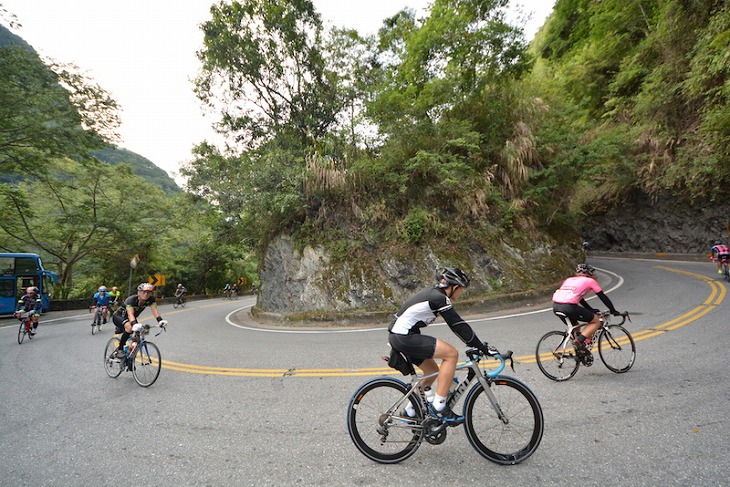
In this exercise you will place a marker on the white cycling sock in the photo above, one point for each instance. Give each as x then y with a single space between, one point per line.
439 402
410 411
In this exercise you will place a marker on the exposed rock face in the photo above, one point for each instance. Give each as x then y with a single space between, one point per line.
294 281
663 225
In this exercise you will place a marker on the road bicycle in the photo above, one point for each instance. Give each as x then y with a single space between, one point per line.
26 327
98 318
179 301
502 417
559 358
142 357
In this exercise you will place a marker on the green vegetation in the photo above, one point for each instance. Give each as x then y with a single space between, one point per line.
87 217
439 131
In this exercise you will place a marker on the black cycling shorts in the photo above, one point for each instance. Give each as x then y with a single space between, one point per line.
416 346
575 312
119 322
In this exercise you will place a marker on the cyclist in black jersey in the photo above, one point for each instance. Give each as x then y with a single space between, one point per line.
419 311
125 319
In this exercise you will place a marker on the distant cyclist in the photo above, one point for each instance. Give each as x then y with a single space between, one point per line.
180 292
719 252
569 299
30 301
102 299
116 296
125 319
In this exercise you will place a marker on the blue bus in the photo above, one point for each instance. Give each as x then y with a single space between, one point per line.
19 271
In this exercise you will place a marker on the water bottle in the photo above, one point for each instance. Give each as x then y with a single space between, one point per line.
430 394
126 348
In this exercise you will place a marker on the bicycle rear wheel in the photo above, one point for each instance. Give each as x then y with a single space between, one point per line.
146 363
113 367
617 349
511 438
555 357
379 435
21 333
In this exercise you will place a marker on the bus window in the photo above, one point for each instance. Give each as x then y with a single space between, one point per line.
26 265
7 288
7 266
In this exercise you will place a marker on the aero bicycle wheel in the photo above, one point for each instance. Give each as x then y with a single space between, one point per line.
383 437
513 437
112 366
21 332
146 363
617 349
556 358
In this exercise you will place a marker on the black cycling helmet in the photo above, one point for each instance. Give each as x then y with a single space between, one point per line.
453 277
585 269
718 242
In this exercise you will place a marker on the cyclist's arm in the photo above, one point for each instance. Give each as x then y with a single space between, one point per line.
461 328
602 296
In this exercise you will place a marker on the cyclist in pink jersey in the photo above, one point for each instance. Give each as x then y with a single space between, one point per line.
719 252
570 299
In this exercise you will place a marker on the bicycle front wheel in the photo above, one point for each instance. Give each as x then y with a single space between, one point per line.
146 363
509 431
175 304
21 333
112 366
379 433
556 356
617 349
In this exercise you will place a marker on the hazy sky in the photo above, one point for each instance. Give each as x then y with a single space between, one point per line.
143 53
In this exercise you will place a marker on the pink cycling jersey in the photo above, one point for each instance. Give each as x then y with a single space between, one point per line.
574 289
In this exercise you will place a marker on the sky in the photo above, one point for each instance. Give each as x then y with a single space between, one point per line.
143 53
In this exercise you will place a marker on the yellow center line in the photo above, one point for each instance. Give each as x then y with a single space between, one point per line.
717 295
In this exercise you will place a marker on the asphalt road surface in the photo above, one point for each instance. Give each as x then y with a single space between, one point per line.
239 404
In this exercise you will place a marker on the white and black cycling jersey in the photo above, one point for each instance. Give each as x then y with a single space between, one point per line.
423 308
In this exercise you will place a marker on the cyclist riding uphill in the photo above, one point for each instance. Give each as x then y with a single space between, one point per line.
102 298
569 299
719 252
30 301
125 319
419 311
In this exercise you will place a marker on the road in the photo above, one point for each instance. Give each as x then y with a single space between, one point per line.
238 404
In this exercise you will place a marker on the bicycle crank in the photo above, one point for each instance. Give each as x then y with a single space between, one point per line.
435 431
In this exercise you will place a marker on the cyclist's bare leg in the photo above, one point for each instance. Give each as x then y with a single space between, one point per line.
449 356
428 366
590 329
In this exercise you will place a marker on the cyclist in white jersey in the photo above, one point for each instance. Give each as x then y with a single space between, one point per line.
421 310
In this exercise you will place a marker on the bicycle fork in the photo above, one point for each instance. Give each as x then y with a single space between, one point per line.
492 399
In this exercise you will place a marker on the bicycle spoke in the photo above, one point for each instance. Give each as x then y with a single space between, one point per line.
617 349
509 439
382 436
556 356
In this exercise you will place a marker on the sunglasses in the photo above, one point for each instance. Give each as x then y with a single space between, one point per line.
146 291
